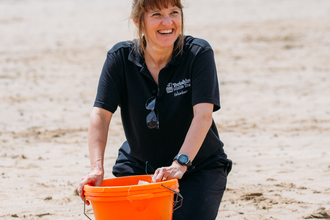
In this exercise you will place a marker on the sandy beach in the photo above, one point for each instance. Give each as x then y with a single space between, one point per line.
273 63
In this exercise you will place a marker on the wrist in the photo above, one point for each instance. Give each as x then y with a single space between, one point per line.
97 169
97 165
183 159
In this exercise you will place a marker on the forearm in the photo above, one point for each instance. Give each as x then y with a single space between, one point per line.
97 139
197 132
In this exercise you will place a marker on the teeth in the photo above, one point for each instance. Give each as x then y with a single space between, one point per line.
165 32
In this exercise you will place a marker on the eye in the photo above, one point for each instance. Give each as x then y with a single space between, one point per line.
155 14
175 12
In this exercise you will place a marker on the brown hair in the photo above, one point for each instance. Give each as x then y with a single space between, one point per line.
139 7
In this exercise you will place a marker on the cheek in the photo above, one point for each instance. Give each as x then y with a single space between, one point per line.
150 27
178 23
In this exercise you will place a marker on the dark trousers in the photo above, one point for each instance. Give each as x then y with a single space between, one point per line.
202 189
202 192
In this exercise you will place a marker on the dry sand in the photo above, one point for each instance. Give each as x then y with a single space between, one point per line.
273 60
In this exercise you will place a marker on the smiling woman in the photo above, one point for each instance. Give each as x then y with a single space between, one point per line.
167 88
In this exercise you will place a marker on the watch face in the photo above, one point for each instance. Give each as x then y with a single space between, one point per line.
183 159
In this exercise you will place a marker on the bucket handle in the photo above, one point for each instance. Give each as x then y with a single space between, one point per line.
85 209
176 201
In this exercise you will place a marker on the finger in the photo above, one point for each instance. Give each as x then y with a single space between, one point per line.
81 189
166 175
163 175
157 171
154 177
98 182
158 175
81 186
82 197
81 193
87 202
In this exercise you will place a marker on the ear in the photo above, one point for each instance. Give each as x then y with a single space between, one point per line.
136 22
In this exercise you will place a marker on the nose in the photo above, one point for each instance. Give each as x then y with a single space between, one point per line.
167 21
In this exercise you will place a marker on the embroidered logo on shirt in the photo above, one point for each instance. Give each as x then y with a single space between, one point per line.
174 87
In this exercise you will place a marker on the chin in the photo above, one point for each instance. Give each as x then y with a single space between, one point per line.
167 43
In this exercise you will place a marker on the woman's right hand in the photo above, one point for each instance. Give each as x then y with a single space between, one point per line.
94 178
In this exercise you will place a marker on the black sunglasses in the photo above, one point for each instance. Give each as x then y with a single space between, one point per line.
152 119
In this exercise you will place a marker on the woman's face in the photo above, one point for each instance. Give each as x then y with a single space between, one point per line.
162 27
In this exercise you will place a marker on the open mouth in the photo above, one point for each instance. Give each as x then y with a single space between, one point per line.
166 32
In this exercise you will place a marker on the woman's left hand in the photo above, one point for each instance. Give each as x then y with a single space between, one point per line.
175 171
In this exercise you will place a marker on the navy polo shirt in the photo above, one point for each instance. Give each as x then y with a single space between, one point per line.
188 79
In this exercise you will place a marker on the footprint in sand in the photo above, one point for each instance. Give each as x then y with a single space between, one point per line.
321 213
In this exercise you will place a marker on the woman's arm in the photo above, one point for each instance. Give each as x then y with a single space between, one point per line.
198 129
97 136
97 139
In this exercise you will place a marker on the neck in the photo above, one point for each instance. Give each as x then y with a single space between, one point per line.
158 57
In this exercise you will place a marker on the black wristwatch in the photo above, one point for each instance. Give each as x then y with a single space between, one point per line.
183 159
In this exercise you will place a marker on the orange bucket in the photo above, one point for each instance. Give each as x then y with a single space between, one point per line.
122 199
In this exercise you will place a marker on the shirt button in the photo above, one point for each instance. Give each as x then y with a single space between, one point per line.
154 91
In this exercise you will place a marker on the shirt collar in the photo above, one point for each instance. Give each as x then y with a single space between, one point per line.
136 58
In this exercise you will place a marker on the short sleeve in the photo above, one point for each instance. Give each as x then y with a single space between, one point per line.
109 88
205 87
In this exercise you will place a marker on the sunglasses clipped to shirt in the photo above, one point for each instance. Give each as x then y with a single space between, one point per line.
152 117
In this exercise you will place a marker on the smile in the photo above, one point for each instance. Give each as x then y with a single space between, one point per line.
166 32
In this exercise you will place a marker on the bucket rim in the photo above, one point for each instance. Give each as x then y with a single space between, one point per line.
173 183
